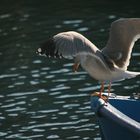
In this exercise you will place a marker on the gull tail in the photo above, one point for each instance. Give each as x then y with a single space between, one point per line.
130 74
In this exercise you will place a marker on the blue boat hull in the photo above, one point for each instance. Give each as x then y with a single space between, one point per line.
119 119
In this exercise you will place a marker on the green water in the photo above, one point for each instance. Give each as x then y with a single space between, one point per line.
42 98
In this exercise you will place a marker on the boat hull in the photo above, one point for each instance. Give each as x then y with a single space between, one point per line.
119 119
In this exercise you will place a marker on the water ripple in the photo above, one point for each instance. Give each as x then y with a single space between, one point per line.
3 134
82 29
48 111
13 104
70 105
72 21
53 137
60 124
27 93
8 76
60 71
70 96
60 88
73 137
5 16
38 117
37 61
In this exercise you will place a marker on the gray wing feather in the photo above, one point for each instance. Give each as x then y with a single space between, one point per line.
70 44
123 34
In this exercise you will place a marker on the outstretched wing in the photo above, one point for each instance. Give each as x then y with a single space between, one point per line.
67 45
123 34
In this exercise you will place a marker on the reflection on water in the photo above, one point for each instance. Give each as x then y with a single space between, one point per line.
44 99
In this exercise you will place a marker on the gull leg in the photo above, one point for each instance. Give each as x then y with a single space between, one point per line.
99 94
109 89
75 67
101 90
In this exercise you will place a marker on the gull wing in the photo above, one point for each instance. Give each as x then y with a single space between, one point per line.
123 34
67 45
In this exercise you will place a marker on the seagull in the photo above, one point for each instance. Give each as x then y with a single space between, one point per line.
106 65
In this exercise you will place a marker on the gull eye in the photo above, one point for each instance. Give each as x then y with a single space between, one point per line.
39 50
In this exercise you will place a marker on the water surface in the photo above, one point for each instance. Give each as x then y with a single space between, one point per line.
42 98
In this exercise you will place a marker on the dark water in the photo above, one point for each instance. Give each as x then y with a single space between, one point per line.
43 99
